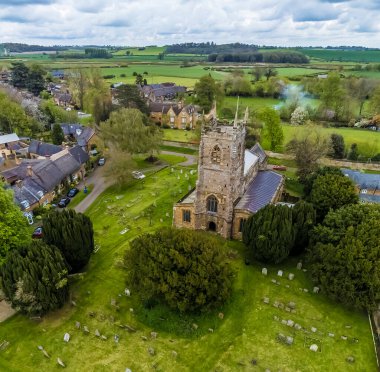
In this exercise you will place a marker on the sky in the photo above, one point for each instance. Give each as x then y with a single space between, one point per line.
161 22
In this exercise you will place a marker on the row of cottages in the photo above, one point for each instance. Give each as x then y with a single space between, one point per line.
233 182
10 145
161 92
36 181
367 185
173 115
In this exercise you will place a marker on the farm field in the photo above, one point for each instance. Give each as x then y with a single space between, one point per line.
343 55
247 331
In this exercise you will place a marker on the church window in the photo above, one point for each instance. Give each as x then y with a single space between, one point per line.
241 224
212 204
216 154
186 216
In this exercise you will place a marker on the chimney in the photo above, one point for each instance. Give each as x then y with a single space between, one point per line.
29 171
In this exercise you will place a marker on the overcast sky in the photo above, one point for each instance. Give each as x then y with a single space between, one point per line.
160 22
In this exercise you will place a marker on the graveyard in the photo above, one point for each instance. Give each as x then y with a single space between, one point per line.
276 318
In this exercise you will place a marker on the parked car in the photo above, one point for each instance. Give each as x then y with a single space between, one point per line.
101 161
63 202
37 233
72 192
279 167
138 175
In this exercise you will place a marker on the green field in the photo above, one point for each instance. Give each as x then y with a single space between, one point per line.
247 331
142 52
343 55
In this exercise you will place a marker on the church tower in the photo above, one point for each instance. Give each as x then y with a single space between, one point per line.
220 175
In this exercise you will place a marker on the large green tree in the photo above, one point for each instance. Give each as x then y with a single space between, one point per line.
337 146
332 191
34 278
269 233
272 127
72 233
19 74
207 90
333 94
14 230
183 268
36 79
128 96
345 258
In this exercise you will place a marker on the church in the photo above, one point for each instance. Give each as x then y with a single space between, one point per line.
233 182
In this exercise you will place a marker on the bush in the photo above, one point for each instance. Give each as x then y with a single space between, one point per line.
183 268
73 234
34 278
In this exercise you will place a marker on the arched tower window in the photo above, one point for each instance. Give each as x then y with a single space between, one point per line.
212 204
216 154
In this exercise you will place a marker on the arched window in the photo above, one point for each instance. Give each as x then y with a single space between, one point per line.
216 154
212 204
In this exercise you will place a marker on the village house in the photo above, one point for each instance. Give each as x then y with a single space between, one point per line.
35 182
8 145
367 185
161 92
85 137
173 115
233 183
38 149
62 99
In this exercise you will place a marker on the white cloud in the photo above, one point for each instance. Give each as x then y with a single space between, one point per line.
139 22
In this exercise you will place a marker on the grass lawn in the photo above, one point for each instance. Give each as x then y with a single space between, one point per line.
181 150
80 196
179 135
247 331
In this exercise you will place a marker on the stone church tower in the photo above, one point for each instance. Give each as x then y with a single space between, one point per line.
220 175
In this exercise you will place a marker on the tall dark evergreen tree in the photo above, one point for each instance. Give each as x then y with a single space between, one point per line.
337 144
304 218
20 73
269 233
34 278
36 81
57 134
73 234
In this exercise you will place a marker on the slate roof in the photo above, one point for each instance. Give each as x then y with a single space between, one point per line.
363 180
28 190
164 89
249 161
13 137
43 148
79 154
368 198
260 191
70 128
84 136
259 152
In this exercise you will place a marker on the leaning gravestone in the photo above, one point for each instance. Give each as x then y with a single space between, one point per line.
77 325
97 333
59 361
151 351
264 271
153 335
331 334
313 329
299 266
291 276
289 340
280 272
66 337
266 300
85 329
315 289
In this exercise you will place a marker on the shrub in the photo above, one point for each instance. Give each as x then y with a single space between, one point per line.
183 268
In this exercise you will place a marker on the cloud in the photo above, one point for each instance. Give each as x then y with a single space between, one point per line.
139 22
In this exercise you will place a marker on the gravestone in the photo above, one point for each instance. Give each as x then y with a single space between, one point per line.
45 354
276 318
127 292
130 329
211 330
77 325
151 351
344 338
281 337
73 303
297 326
174 354
113 302
195 326
314 347
275 304
264 271
153 335
289 340
131 309
66 337
290 323
299 265
103 337
116 338
40 347
274 281
284 322
281 305
287 309
280 273
291 276
59 361
287 286
350 359
331 334
144 338
85 329
305 290
128 370
315 289
266 300
97 333
313 329
292 305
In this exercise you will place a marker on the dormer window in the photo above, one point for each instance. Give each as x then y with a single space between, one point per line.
216 154
25 204
40 194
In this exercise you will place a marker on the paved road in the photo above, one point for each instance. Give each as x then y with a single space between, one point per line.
190 159
100 184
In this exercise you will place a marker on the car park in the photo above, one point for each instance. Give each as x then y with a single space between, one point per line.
37 233
72 192
63 202
138 175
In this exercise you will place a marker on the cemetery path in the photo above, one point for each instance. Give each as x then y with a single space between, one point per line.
100 184
190 159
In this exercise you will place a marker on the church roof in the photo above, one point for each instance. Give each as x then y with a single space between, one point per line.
260 191
259 152
250 159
